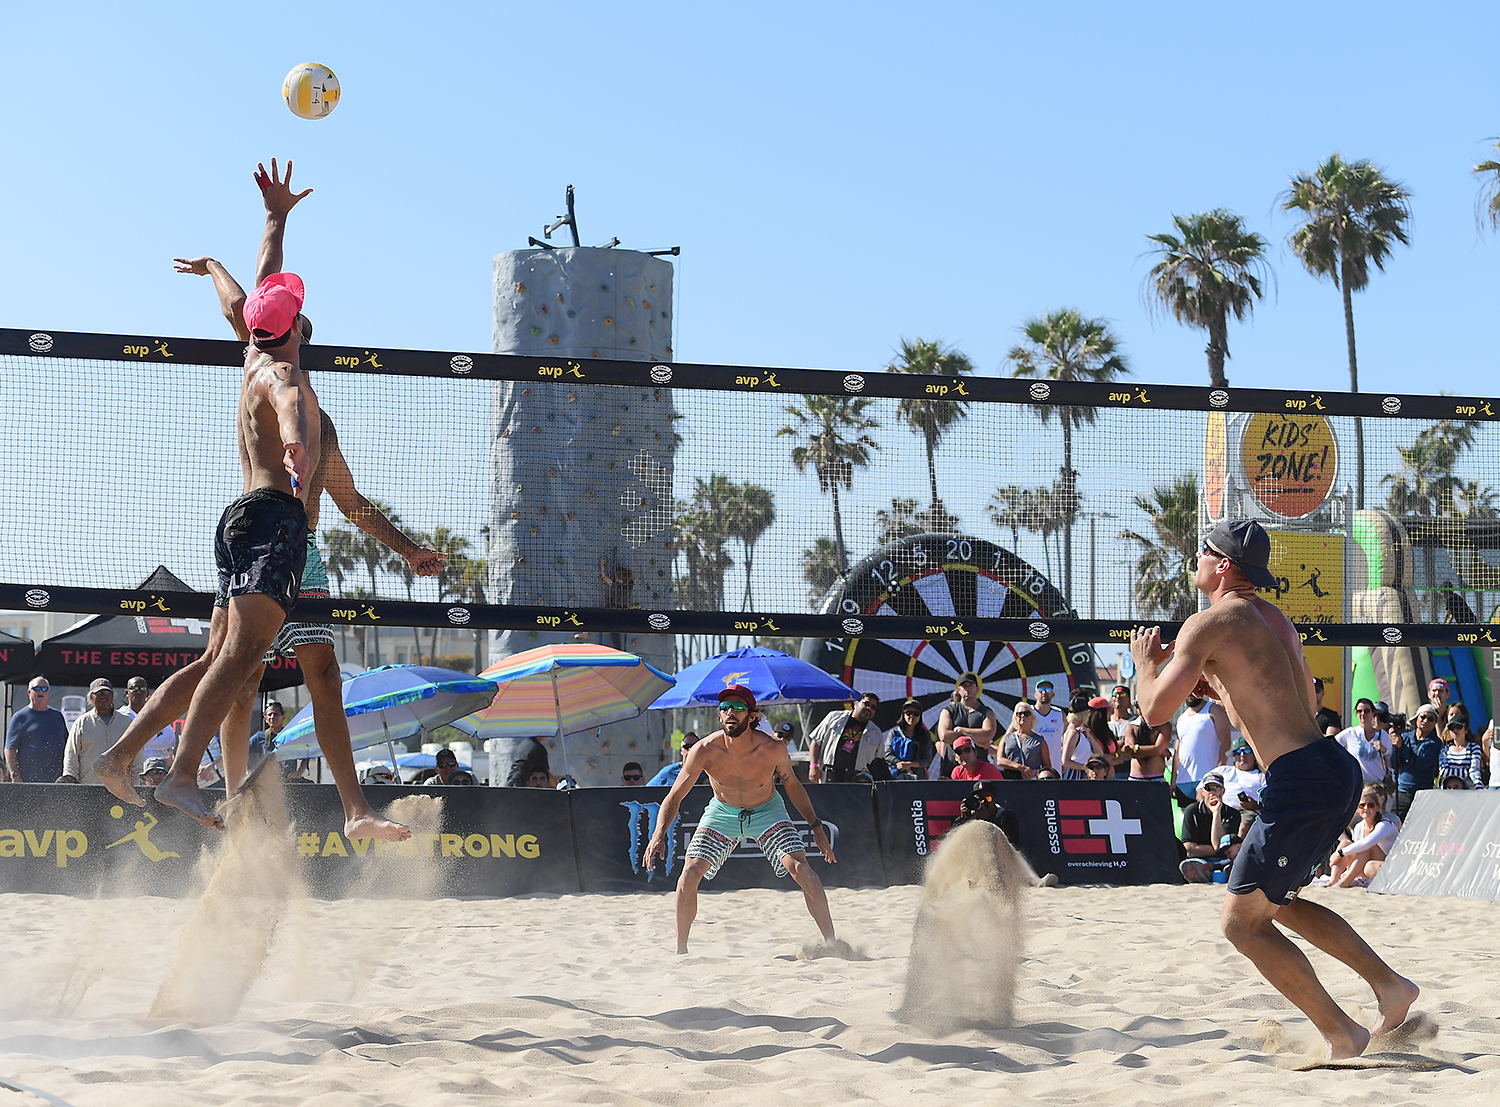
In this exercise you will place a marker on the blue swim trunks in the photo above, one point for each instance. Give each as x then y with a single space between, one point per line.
723 827
1310 797
261 547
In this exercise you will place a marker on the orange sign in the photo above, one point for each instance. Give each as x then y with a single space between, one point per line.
1290 462
1214 460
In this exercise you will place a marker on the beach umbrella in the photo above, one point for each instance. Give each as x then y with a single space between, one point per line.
773 676
563 689
390 703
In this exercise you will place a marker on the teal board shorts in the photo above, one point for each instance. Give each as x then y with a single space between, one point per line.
723 827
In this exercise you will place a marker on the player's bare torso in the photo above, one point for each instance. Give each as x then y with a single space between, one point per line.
1253 661
743 771
257 429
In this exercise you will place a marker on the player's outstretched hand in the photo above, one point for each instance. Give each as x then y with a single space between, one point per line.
657 847
198 267
825 847
277 194
427 563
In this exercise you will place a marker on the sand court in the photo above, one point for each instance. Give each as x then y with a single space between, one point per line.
1123 996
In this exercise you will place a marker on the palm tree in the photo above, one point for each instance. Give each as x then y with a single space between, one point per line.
931 418
820 567
1212 270
899 522
1354 217
751 513
338 559
1008 509
1066 346
451 577
399 568
1169 555
1487 207
835 440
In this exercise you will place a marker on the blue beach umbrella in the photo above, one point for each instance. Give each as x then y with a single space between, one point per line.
393 701
773 676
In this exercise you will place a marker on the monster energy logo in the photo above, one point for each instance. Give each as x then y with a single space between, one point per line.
637 847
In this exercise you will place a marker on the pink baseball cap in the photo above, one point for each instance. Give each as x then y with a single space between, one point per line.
271 310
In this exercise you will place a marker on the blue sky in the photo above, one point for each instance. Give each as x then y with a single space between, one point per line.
838 175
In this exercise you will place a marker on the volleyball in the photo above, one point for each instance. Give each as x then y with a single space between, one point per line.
311 91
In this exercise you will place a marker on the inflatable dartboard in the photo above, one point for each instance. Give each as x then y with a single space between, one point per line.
941 577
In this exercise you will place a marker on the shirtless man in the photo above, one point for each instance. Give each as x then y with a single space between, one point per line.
312 643
1245 653
743 766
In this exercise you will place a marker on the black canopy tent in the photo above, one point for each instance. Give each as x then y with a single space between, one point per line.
17 658
153 646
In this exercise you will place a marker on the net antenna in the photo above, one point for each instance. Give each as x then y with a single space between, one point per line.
570 221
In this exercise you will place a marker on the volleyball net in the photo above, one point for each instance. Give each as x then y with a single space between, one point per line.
631 497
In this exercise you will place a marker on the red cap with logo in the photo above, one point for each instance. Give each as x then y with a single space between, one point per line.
271 310
741 693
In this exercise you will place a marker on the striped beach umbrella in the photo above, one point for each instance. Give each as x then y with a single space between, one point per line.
563 689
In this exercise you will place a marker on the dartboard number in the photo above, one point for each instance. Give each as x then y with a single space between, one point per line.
849 607
885 573
1082 656
962 549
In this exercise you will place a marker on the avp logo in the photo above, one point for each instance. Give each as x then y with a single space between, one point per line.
141 836
637 848
1076 827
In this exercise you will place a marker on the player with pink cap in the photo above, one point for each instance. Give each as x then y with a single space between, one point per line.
273 309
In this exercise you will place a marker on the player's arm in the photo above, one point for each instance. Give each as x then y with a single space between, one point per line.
279 199
231 295
339 482
787 778
1223 727
289 401
1166 674
692 769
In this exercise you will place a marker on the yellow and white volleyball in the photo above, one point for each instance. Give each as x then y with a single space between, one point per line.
311 91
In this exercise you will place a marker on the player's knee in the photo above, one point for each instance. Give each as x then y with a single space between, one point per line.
1238 924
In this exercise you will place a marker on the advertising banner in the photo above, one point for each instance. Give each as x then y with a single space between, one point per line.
80 840
613 826
1084 832
1449 846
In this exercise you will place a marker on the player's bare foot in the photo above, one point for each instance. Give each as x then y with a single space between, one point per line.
371 825
1395 1002
681 950
186 798
1350 1044
114 773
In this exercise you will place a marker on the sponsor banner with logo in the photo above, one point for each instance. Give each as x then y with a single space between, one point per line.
1086 832
613 826
1449 846
80 840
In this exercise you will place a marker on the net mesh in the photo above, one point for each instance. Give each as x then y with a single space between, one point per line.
558 490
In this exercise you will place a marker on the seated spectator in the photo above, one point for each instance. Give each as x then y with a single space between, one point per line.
1462 756
1210 832
154 771
1244 780
539 778
1414 757
1363 849
909 747
844 742
1098 768
66 778
1455 782
1048 774
971 766
516 761
461 778
632 775
446 762
667 776
374 774
1081 740
1023 752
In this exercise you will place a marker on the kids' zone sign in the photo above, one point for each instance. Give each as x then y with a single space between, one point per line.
1290 462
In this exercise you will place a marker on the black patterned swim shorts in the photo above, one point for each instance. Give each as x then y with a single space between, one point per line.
261 546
